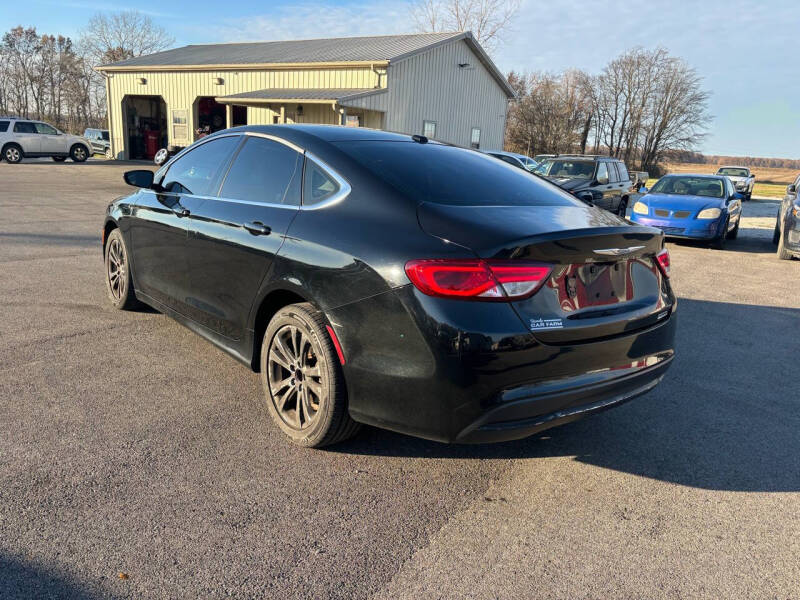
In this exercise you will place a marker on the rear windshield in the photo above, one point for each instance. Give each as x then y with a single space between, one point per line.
689 186
450 175
569 169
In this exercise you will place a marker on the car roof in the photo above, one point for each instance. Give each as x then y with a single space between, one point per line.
326 133
732 167
700 175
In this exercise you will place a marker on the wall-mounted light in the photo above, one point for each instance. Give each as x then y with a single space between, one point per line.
218 80
142 80
463 65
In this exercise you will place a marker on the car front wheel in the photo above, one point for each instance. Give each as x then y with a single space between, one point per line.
303 380
118 273
719 242
783 253
623 207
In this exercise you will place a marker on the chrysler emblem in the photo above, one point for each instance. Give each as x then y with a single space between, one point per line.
618 251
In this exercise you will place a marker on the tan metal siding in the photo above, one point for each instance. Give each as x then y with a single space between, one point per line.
431 86
180 89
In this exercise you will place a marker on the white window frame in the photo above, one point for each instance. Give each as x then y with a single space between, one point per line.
472 142
425 124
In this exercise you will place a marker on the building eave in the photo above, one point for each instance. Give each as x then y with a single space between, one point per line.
242 66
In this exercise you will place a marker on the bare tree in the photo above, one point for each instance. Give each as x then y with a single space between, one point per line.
488 20
643 105
117 36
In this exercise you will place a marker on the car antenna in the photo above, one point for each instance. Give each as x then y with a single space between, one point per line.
420 139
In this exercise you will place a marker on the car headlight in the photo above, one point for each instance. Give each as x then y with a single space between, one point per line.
640 208
709 213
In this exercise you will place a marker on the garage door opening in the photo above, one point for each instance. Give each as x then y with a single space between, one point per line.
146 126
209 116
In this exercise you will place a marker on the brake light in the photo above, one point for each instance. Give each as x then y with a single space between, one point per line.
493 280
662 259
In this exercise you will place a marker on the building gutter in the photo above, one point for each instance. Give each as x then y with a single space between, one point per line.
241 67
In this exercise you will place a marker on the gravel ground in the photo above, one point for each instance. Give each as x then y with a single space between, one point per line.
128 445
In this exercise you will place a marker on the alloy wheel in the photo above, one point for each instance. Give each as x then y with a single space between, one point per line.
116 269
296 384
79 153
12 155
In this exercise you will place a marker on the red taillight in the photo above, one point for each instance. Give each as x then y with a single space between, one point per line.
477 279
662 259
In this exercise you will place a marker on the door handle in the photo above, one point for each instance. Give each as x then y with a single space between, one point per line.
182 212
257 228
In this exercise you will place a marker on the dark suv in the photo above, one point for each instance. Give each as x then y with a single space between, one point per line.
600 180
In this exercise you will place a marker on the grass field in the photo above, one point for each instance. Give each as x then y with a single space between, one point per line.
770 182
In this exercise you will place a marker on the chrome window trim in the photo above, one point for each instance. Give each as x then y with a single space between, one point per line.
342 193
338 196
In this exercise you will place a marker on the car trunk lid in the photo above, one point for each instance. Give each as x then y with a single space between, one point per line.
605 280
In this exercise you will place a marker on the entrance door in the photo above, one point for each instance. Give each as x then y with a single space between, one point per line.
234 237
238 115
209 116
160 223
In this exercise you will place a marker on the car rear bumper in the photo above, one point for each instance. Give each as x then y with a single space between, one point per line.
527 410
469 371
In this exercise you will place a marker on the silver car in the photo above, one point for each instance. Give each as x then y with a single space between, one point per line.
26 138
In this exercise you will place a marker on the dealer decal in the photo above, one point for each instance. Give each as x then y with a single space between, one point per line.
539 324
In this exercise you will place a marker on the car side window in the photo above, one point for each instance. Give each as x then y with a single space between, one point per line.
318 185
613 176
24 127
197 171
4 126
265 171
602 172
45 129
623 171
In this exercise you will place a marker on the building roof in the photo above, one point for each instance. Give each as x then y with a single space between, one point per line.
301 94
361 50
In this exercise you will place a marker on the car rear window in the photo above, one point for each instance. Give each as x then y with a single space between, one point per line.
4 126
450 175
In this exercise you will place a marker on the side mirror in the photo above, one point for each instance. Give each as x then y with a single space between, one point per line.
585 196
643 190
602 180
791 188
139 178
737 196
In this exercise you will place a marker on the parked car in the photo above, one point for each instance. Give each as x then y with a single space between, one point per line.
787 223
100 141
518 160
639 179
601 180
743 180
25 138
699 207
368 284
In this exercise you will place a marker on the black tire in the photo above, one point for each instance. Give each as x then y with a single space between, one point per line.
623 207
59 158
748 196
79 153
298 364
12 153
734 233
108 154
782 252
776 234
718 243
119 286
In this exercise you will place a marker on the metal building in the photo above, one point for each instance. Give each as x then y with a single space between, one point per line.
442 85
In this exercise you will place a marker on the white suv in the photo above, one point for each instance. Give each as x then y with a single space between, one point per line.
24 138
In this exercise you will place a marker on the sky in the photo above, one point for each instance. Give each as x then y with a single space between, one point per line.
745 51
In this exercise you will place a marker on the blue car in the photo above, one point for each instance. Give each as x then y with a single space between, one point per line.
695 207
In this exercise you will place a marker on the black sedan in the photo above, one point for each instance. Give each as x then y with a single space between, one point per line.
787 224
379 278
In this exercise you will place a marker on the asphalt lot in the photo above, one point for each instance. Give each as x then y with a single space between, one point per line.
129 445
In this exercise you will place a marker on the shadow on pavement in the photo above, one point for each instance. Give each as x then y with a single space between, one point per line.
726 416
22 580
45 239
